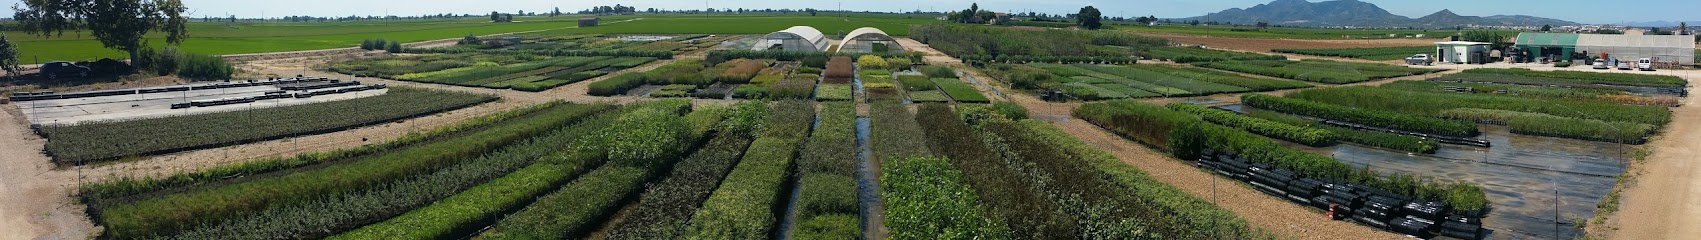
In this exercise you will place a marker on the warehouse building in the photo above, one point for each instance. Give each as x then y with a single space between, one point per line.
797 38
868 40
1663 49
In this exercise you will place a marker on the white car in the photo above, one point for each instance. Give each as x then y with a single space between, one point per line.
1420 59
1600 64
1645 64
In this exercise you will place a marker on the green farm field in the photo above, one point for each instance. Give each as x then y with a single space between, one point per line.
222 38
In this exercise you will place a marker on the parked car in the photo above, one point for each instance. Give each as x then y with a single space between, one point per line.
60 68
1645 64
1420 59
1600 64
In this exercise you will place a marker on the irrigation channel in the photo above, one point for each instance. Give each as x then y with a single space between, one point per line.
870 208
1521 175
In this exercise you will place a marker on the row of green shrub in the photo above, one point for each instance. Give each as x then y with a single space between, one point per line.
960 91
1303 135
1017 59
1394 141
1013 200
1369 117
170 60
926 198
649 140
171 213
892 130
1188 136
1590 77
826 170
664 209
746 203
1556 126
1433 103
344 211
476 207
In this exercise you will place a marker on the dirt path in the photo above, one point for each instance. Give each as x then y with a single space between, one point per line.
1664 202
34 202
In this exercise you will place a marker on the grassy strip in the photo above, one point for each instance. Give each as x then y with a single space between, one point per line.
926 198
1010 197
1201 217
100 141
1400 142
96 193
175 212
1184 83
1197 54
1303 135
826 166
960 91
834 92
1220 77
1377 118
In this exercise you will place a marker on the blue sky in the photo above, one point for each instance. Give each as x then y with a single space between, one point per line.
1586 11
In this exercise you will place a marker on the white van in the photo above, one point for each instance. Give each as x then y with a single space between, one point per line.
1645 64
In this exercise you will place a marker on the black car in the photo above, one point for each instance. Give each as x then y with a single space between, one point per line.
55 69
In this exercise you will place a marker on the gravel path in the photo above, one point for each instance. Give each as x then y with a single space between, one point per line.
1664 201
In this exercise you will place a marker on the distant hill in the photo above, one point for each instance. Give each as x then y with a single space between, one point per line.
1359 14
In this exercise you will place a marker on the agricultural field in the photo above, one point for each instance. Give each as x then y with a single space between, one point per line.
989 44
535 63
92 142
1198 54
1634 83
250 36
1586 119
1377 53
1321 71
1101 82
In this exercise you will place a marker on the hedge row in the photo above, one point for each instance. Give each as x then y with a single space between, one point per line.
1197 215
171 213
926 198
1013 199
827 165
1303 135
744 206
892 130
618 84
1394 141
1556 126
341 212
1373 53
1377 118
481 205
650 139
1432 103
1322 71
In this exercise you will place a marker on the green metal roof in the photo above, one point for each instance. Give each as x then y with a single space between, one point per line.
1547 39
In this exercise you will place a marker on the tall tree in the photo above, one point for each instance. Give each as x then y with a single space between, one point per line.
811 12
1546 27
8 56
118 24
1089 18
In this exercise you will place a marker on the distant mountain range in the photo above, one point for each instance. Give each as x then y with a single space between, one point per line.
1359 14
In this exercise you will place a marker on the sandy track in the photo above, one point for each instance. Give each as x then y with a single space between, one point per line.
34 199
1664 202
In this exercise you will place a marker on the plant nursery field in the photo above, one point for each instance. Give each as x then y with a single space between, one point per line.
562 170
1378 53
